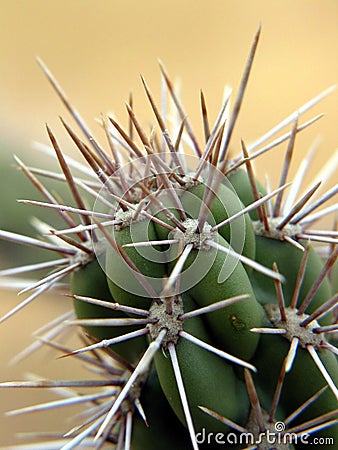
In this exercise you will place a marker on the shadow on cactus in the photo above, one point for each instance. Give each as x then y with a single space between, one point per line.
207 307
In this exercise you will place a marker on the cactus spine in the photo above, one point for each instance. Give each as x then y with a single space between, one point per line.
195 284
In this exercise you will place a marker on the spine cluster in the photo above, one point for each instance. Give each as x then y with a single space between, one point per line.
207 299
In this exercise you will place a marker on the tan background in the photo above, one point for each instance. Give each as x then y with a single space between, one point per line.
97 50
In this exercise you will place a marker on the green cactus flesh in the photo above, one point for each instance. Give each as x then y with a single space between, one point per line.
214 294
90 281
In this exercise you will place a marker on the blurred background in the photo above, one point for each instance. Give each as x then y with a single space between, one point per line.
97 51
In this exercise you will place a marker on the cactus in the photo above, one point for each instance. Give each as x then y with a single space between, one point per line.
208 311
